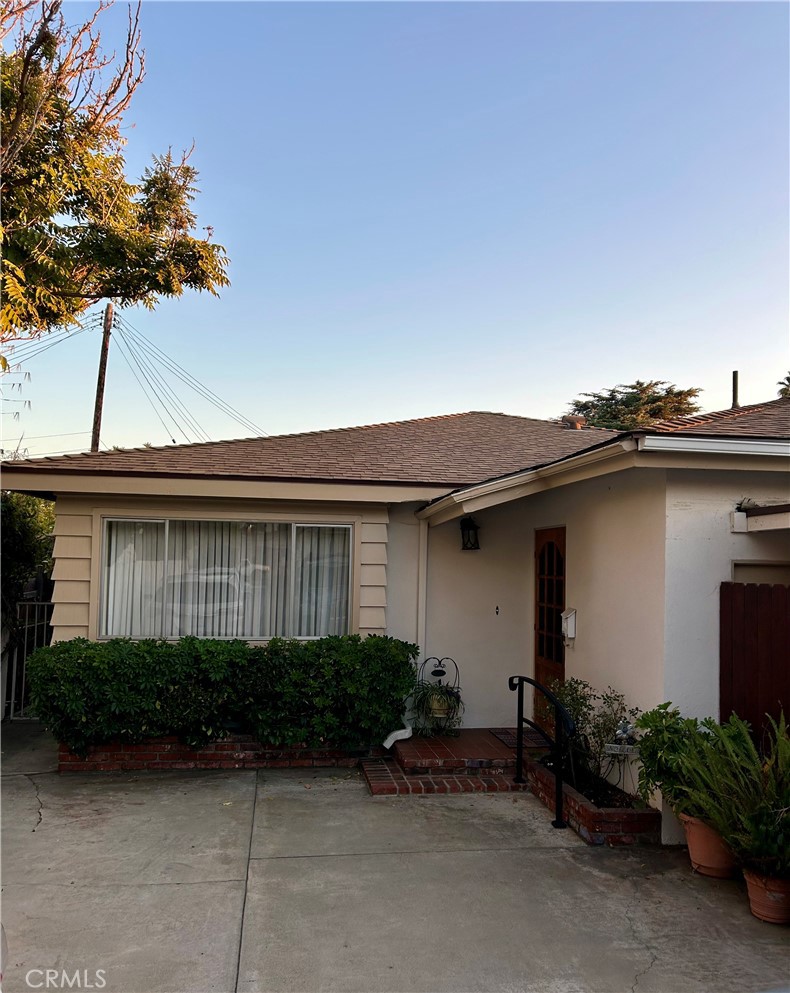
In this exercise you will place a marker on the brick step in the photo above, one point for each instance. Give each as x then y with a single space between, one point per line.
454 766
473 752
386 778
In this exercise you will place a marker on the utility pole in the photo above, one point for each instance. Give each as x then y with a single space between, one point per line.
105 348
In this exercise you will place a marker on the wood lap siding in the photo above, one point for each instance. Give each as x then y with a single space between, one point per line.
75 543
373 573
754 651
72 574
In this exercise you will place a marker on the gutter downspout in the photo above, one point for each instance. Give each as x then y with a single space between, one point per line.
422 584
421 612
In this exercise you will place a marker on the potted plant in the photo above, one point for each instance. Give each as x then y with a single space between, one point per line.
745 794
667 740
437 707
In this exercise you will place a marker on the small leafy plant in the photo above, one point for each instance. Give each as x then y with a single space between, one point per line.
599 719
670 747
665 739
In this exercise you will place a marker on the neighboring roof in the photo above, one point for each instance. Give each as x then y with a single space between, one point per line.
452 450
761 429
759 420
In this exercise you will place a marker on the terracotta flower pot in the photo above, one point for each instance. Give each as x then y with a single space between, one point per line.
708 853
769 898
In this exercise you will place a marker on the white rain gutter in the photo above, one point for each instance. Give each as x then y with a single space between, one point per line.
713 445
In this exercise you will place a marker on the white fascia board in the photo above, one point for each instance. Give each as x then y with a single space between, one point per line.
522 483
768 522
714 445
62 484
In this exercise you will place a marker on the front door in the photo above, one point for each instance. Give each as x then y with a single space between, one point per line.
549 605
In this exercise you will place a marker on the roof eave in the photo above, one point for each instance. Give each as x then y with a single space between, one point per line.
516 485
620 453
157 486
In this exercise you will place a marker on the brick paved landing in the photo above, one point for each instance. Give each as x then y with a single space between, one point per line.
475 761
472 750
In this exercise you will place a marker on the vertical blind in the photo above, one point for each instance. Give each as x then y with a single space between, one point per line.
225 579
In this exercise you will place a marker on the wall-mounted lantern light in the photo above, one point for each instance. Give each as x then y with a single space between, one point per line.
469 539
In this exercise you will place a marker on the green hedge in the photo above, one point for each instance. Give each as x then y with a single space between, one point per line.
336 692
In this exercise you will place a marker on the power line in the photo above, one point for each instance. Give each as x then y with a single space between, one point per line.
145 365
151 394
67 434
187 378
137 351
29 351
22 344
168 409
196 385
121 348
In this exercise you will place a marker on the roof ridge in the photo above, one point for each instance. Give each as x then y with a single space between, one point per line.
235 441
430 418
294 434
685 420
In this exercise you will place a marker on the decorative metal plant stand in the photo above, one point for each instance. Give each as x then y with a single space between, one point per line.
438 706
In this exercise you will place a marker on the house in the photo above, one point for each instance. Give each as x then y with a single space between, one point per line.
357 530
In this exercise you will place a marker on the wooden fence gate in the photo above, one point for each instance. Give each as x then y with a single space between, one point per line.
754 651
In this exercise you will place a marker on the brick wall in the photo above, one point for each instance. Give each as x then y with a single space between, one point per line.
613 826
235 752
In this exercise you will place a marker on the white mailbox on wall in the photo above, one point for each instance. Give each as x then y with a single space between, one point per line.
569 624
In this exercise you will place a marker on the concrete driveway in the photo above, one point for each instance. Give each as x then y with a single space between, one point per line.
223 881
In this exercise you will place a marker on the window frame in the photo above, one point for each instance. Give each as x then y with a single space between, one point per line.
293 523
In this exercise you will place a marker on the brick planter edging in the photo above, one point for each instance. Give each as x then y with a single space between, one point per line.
613 826
233 752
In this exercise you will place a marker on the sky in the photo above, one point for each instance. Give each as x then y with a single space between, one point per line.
439 207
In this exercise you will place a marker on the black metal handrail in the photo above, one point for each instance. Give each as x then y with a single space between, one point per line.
565 728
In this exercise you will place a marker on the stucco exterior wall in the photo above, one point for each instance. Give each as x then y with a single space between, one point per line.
701 553
478 610
615 529
78 538
615 579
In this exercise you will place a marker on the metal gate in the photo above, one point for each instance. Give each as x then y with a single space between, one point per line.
35 631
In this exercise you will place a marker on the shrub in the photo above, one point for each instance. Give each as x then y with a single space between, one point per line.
665 737
669 747
333 692
597 716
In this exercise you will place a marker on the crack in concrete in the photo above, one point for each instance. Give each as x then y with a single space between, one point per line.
39 801
641 973
125 884
407 851
253 817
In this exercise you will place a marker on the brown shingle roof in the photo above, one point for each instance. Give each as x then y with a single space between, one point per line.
452 450
760 420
